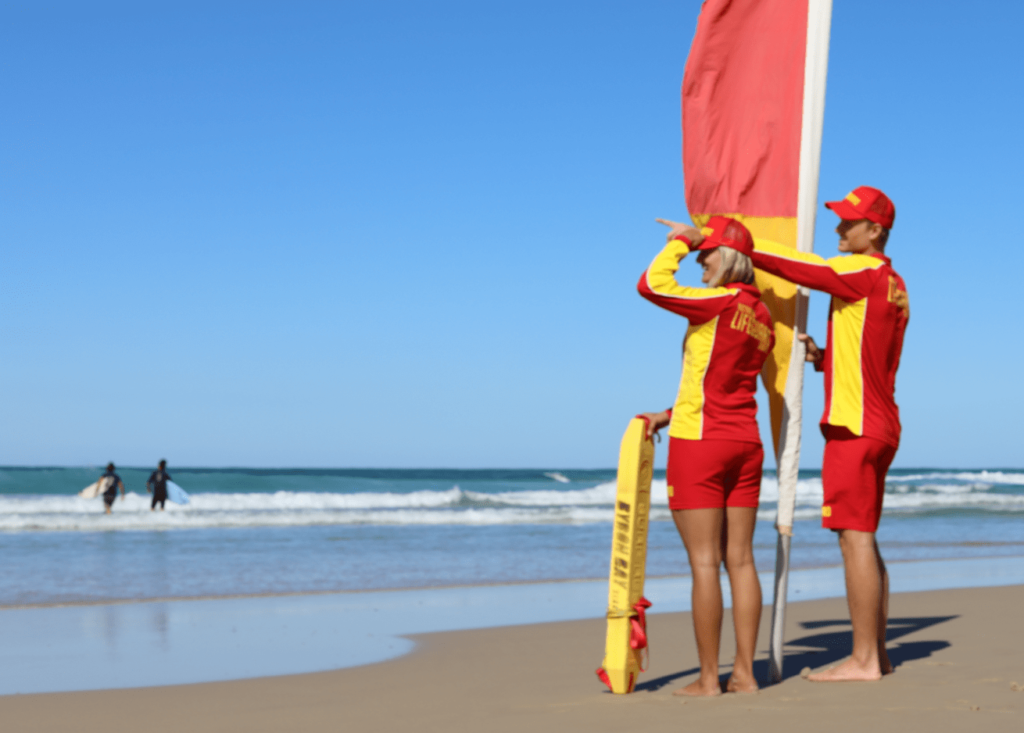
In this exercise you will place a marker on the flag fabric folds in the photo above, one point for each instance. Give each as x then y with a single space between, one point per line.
742 113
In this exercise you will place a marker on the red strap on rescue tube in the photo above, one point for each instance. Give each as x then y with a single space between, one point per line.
603 676
637 635
639 629
638 624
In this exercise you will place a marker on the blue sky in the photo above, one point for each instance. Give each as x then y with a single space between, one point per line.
408 234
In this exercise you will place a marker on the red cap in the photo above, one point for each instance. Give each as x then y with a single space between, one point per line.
721 231
868 203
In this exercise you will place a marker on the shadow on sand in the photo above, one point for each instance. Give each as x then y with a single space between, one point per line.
826 647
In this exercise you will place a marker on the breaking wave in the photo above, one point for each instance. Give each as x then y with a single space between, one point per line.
921 493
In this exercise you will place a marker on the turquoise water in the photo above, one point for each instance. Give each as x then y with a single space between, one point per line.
249 531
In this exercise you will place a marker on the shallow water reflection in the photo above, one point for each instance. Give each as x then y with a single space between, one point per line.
177 642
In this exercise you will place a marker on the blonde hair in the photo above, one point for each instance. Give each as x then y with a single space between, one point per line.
735 267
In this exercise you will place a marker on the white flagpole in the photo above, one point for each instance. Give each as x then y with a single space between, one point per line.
819 21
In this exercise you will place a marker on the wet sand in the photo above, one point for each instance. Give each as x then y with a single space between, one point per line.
959 657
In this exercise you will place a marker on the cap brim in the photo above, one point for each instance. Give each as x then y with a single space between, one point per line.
844 209
708 244
715 244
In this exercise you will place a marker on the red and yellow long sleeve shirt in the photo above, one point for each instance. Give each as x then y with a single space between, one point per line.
729 338
867 319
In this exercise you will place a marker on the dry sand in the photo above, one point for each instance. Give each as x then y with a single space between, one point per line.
959 657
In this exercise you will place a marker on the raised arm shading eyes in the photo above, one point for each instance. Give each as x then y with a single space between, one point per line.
658 284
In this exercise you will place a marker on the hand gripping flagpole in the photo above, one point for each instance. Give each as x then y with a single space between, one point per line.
819 19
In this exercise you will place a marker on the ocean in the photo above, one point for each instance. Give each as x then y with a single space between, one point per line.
280 531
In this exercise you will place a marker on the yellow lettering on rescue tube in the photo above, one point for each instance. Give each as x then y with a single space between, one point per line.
626 605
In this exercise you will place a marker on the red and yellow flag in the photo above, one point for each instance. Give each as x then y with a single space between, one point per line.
743 120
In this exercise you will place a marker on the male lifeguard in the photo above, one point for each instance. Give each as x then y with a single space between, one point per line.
861 424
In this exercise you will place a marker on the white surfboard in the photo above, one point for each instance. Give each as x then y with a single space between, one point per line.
176 494
93 490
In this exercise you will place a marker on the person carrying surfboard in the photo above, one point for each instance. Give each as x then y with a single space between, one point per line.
715 453
113 482
867 319
156 485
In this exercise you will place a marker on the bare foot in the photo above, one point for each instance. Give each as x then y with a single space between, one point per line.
701 688
848 671
741 683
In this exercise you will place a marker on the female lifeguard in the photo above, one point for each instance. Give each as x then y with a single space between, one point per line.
714 452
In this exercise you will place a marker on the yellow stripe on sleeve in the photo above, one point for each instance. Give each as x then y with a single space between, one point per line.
661 276
842 265
854 263
788 253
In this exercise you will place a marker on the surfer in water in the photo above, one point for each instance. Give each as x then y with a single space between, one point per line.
867 319
113 483
715 453
157 486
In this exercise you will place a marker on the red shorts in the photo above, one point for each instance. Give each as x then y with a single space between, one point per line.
853 477
711 474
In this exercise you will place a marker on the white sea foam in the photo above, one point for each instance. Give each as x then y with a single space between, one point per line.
808 491
259 502
954 500
597 495
134 514
984 477
994 491
767 514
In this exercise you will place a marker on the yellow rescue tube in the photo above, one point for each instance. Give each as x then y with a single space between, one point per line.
627 632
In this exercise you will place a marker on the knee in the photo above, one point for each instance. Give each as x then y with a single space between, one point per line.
737 558
706 561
